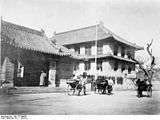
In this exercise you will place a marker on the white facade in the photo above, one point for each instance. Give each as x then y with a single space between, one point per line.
93 50
108 65
107 49
82 50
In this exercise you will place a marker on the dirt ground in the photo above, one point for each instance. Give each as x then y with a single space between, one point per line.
120 103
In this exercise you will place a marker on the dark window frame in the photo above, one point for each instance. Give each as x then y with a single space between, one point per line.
99 65
87 65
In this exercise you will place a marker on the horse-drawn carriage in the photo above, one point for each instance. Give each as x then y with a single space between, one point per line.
143 86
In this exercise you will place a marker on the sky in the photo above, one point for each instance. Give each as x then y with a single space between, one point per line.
137 21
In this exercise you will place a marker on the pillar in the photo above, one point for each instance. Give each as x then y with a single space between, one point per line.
82 50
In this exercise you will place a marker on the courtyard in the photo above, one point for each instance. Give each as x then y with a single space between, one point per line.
120 103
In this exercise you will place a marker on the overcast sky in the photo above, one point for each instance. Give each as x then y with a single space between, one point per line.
137 21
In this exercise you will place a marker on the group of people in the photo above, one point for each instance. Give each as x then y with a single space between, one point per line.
83 80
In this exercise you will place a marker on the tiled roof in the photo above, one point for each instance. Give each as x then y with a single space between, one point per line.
30 39
89 34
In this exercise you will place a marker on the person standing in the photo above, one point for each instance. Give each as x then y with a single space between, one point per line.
42 78
84 81
110 85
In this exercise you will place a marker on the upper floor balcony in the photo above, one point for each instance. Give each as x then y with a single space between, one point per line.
105 49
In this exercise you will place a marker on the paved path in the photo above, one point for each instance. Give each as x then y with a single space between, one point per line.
121 103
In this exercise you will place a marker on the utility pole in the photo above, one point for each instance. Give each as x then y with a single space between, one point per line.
96 37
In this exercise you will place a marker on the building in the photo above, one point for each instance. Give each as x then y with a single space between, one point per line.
25 52
113 53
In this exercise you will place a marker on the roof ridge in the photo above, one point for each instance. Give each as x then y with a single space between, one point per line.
76 29
22 28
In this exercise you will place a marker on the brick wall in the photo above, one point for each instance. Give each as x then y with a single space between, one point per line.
64 69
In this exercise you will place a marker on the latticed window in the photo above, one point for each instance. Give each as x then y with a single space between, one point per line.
99 65
88 50
87 65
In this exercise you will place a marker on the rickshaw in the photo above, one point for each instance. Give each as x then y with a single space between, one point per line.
73 85
144 86
101 84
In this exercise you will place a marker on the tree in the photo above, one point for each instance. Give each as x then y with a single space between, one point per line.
148 71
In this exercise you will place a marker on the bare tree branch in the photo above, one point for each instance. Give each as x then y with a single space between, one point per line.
140 66
149 72
150 54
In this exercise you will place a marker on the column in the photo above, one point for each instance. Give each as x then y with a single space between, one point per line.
82 50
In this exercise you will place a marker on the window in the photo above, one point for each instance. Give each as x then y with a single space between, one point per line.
99 65
116 66
129 70
88 50
99 50
115 50
77 50
123 68
87 65
122 52
76 66
129 55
